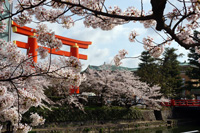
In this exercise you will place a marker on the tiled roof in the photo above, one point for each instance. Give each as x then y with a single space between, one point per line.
113 67
185 64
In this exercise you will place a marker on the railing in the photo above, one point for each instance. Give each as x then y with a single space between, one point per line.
187 103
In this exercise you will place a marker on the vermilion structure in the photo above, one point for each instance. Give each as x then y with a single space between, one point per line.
182 103
32 45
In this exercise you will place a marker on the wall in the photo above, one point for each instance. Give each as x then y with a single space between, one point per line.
148 115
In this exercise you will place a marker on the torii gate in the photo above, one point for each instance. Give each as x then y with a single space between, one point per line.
32 45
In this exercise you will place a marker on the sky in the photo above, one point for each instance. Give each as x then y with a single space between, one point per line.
106 44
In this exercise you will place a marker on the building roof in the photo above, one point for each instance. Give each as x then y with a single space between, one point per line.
112 67
185 64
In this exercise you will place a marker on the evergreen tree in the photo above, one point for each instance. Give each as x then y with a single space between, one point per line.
171 81
148 70
194 70
163 72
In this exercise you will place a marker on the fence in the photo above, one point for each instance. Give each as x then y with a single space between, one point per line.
187 103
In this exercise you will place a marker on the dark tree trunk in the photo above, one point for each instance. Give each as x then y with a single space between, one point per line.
158 7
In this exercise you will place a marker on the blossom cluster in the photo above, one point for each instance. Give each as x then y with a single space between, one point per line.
42 52
27 100
47 38
184 36
175 14
67 76
2 26
1 8
121 55
6 99
11 115
154 50
108 24
132 36
37 120
8 51
23 18
41 13
22 128
132 11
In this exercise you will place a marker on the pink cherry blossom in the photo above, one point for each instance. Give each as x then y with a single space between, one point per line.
132 36
3 90
36 119
42 52
121 55
22 128
2 26
1 7
112 84
12 115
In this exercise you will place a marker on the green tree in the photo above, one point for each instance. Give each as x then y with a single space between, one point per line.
148 70
163 72
171 81
194 71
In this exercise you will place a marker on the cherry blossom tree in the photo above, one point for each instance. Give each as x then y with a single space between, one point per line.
22 82
121 86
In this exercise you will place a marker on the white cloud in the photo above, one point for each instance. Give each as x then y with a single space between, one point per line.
97 36
131 63
96 56
146 1
18 37
180 50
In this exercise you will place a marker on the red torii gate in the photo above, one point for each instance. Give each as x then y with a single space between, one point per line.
32 45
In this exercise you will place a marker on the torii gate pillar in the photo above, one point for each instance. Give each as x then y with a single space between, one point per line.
32 41
74 51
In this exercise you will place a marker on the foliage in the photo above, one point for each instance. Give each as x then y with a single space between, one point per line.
194 70
163 72
148 70
134 113
170 68
65 114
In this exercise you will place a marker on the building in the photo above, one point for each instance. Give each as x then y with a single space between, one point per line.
112 67
186 79
6 35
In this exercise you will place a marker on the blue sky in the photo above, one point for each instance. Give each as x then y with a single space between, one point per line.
106 44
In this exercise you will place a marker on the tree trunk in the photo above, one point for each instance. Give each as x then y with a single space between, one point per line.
158 7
